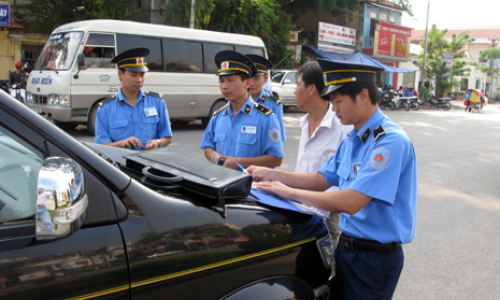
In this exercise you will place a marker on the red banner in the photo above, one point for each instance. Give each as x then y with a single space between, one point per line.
388 32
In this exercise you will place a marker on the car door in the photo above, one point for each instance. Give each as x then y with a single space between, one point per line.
88 263
289 86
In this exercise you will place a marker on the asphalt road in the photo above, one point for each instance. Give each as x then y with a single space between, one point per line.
455 254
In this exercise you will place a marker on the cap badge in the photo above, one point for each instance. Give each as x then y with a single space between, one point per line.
224 65
325 79
139 60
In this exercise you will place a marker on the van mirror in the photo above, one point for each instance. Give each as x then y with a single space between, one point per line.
61 200
81 60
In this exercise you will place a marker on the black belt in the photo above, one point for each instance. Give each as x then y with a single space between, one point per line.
367 245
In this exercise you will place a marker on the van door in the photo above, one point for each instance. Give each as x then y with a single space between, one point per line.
98 79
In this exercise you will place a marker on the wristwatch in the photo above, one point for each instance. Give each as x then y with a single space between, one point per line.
159 143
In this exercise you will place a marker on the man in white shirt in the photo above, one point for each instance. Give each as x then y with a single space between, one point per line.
321 133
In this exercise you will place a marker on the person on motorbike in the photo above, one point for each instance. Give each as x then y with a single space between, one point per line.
18 80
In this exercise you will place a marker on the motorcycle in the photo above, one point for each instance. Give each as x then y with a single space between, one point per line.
18 92
386 101
401 102
415 103
4 85
443 103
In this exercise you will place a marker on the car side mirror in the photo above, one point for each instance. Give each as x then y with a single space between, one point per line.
80 59
287 81
61 198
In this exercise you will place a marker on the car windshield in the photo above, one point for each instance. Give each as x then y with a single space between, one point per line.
276 76
59 51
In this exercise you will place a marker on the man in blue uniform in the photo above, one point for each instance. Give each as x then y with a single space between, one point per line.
133 118
260 95
242 131
375 169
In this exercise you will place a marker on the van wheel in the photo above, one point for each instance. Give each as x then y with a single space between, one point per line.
218 104
181 122
65 125
91 119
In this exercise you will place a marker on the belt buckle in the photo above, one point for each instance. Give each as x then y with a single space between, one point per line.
348 242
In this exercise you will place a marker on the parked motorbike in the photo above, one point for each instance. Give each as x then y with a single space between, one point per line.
443 103
405 102
401 102
415 103
386 101
4 85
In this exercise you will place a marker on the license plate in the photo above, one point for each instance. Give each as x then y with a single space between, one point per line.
38 110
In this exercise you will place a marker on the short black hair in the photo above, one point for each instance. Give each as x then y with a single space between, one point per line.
312 74
354 88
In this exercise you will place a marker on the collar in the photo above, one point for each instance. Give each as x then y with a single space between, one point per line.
262 94
249 103
121 98
326 122
374 121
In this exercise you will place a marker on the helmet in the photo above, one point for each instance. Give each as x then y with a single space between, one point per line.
19 64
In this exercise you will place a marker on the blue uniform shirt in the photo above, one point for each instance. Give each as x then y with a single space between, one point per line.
250 133
378 161
117 120
272 103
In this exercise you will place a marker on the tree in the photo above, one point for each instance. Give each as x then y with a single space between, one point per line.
436 70
46 15
490 55
263 18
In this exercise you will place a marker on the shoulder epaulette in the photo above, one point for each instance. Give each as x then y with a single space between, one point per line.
221 109
261 108
378 133
272 98
107 100
154 94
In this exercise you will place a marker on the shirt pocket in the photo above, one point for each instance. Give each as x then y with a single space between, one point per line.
344 174
247 145
119 130
151 127
220 143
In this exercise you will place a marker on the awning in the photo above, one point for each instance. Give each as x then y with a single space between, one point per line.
358 58
12 25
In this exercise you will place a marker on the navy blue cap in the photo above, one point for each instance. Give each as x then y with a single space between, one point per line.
261 63
132 60
232 62
339 73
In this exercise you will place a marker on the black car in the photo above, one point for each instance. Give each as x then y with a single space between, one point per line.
77 223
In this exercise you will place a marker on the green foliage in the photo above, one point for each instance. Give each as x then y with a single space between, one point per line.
263 18
490 55
49 14
295 8
436 45
202 12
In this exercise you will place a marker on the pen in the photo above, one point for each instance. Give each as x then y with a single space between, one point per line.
241 168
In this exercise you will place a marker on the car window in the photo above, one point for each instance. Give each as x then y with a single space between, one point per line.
19 166
276 76
290 76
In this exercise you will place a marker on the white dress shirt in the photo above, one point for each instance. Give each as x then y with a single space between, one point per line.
315 150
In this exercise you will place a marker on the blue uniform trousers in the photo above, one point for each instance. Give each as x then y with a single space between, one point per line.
366 274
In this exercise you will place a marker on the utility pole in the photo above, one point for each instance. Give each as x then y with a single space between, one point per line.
191 18
424 66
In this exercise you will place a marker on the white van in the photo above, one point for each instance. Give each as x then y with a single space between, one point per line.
74 72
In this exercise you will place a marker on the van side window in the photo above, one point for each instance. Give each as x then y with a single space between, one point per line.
183 56
155 57
19 166
99 50
209 52
250 50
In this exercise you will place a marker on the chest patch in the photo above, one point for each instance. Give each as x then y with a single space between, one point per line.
150 111
379 157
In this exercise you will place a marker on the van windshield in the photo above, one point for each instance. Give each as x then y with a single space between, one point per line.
59 51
